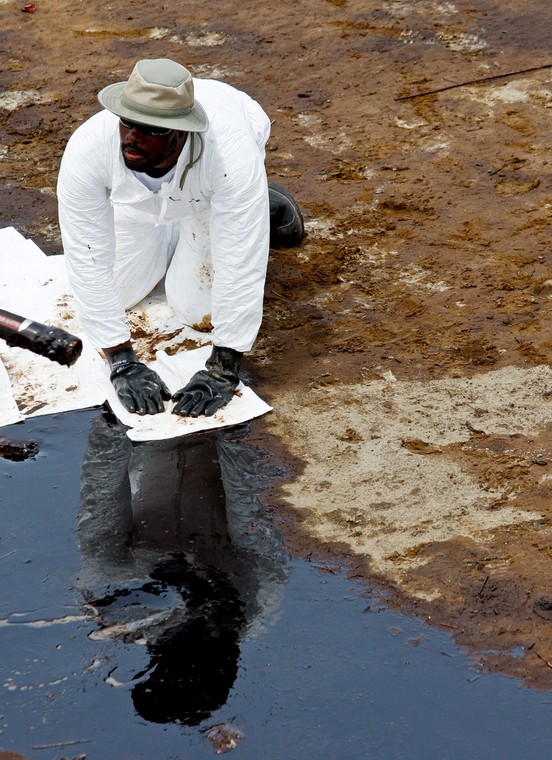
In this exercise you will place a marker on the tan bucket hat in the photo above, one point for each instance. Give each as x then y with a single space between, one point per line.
158 93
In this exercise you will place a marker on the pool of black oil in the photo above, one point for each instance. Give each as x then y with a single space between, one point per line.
149 611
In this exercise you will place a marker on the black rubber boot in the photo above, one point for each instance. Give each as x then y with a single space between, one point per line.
286 221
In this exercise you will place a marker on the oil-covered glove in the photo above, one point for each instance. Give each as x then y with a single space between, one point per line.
139 388
210 388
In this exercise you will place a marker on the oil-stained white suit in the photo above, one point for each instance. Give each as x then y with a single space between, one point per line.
206 230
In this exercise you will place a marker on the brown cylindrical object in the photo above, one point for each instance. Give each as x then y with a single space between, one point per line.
52 342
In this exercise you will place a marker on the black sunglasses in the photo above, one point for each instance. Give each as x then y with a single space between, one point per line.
144 129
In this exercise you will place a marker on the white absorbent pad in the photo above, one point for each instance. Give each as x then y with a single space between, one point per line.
35 286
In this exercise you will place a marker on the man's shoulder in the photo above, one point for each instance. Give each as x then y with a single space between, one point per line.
93 147
230 111
100 127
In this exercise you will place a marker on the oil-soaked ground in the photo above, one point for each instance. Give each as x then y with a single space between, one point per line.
158 616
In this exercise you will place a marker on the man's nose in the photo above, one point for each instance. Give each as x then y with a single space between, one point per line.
135 139
135 132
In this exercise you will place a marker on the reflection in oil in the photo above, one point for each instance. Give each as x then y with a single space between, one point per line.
177 554
330 677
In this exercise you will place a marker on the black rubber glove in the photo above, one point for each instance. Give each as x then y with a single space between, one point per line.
139 388
210 388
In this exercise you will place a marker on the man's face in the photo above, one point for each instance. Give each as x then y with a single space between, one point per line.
149 149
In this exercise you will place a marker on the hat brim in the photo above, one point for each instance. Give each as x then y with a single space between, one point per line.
195 121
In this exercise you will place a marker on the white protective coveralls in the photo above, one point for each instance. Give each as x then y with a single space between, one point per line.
210 238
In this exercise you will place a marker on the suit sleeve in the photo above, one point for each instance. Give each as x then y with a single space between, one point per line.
239 240
87 230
